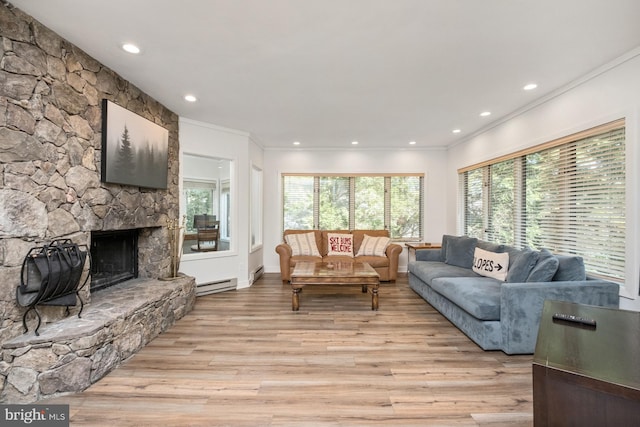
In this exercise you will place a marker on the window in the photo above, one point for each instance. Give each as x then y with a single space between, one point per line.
207 189
339 202
256 207
200 198
567 196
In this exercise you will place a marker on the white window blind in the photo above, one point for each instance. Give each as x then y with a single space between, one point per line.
298 197
567 196
471 189
578 201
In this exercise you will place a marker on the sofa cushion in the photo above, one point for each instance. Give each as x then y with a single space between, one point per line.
570 268
373 261
521 262
491 247
373 246
545 268
358 236
478 296
491 264
338 258
429 255
429 270
302 244
459 251
339 244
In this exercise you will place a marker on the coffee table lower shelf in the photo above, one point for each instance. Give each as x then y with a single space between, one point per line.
340 273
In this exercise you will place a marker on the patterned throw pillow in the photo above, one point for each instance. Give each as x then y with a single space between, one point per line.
340 244
491 264
373 246
302 244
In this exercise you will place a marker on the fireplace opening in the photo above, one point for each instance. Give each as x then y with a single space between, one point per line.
114 256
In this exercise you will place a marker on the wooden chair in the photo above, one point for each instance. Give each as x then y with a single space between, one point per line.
208 233
208 239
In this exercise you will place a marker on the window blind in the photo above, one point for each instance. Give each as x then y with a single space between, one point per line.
298 197
568 197
578 201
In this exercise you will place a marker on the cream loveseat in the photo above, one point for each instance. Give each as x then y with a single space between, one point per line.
314 245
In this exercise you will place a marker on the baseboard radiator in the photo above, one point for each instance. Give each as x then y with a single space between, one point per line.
256 274
214 287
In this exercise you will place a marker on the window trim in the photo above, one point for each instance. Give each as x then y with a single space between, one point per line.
606 127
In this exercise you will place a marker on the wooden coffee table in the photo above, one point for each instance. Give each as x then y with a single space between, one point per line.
337 273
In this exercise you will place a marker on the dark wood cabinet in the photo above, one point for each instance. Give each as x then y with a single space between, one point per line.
586 367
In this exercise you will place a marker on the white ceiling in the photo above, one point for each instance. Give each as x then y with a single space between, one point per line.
327 72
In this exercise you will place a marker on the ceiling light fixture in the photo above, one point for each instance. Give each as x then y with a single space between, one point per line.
354 142
190 98
131 48
456 131
530 86
412 143
485 113
296 142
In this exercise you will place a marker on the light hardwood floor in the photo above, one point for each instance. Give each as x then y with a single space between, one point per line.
243 358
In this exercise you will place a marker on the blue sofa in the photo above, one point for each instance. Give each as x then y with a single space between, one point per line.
502 314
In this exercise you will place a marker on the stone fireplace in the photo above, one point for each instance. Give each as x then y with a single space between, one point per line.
50 188
114 257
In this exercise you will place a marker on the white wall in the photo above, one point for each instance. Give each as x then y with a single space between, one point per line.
256 156
610 93
430 162
214 141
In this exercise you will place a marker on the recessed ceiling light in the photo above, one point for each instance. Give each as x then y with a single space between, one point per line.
354 142
131 48
296 142
456 131
190 98
485 113
412 143
530 86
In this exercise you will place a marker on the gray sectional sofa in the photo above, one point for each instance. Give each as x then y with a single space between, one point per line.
502 314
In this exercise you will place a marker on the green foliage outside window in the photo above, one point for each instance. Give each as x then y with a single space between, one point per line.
354 202
334 203
198 201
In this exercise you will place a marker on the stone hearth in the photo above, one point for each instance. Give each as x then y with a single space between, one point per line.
73 353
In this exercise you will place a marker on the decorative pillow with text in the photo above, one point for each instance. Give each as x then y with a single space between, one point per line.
373 246
302 244
491 264
340 244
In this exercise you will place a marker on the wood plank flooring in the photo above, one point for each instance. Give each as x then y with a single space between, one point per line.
243 358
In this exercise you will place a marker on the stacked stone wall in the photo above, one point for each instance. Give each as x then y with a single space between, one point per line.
50 159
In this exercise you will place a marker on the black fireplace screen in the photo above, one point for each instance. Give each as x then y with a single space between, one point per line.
115 257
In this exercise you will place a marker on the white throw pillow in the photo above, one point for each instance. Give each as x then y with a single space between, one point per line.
491 264
373 246
340 244
302 244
